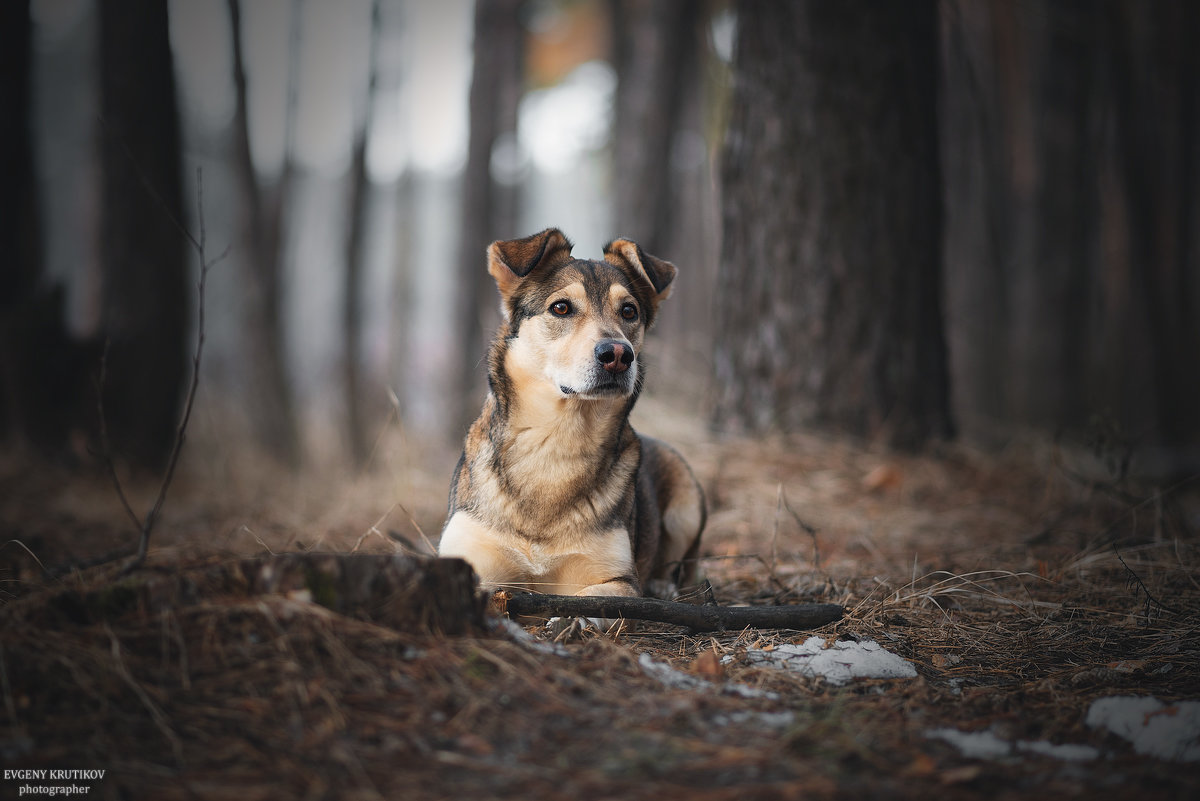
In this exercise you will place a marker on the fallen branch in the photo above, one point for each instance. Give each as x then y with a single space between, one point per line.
697 618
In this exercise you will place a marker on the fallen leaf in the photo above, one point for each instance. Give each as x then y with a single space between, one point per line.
922 765
473 744
884 477
708 664
945 660
961 775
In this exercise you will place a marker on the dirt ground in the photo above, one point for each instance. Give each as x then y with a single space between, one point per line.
1022 585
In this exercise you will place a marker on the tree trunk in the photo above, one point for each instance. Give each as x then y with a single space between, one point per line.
1155 74
145 297
405 593
489 210
987 132
21 267
1073 155
829 298
1051 289
19 224
655 50
356 239
270 400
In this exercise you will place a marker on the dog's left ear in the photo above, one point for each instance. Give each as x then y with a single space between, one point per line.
658 273
510 261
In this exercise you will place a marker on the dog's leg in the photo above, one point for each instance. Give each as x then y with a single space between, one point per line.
624 587
605 569
467 539
681 516
683 521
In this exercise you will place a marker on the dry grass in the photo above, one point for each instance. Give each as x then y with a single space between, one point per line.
1019 593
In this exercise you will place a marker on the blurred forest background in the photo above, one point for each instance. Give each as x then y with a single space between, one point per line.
902 221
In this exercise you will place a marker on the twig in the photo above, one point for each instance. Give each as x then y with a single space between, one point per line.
374 529
105 447
432 549
25 548
181 430
697 618
156 713
812 532
1136 580
146 527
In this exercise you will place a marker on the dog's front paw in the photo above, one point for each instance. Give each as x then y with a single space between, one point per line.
662 588
620 588
571 629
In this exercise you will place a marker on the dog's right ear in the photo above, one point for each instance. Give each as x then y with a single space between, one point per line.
510 261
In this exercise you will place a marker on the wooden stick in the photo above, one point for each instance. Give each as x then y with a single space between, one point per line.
697 618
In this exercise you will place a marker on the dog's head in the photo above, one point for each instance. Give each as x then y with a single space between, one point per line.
574 323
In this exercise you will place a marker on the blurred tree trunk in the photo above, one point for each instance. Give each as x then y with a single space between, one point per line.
19 224
270 400
1155 75
829 296
990 172
655 49
1073 224
21 267
46 392
145 296
489 208
1050 326
356 240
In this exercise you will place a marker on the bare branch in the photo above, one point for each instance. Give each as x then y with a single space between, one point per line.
105 447
697 618
812 532
150 190
181 431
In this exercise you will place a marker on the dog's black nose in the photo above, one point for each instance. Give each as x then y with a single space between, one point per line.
616 356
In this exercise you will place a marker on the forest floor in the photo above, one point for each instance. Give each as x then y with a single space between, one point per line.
1023 587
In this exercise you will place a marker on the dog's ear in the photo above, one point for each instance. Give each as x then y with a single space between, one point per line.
510 261
658 273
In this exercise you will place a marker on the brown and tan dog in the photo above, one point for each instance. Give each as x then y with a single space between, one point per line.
554 491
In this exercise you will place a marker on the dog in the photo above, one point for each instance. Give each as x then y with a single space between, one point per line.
554 491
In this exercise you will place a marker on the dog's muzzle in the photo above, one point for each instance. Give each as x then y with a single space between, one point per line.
614 355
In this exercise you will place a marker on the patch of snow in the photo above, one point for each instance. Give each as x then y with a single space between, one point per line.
678 680
1156 729
974 744
838 664
742 691
669 676
767 720
988 745
520 636
1067 752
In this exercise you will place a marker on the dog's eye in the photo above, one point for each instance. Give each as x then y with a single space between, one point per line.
629 311
560 308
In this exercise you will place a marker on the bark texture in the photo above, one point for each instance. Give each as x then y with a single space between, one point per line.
271 403
489 209
145 290
1073 228
829 291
